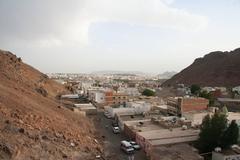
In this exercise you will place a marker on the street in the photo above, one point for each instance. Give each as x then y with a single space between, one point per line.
112 141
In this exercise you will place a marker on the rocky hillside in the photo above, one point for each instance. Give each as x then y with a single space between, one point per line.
214 69
33 125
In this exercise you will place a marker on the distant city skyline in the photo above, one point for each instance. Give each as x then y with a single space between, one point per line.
150 36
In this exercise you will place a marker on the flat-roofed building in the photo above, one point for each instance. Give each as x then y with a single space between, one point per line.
88 108
179 105
132 127
232 105
174 152
196 117
227 154
153 138
130 119
112 98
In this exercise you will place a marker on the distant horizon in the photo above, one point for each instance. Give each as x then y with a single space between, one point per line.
151 36
120 72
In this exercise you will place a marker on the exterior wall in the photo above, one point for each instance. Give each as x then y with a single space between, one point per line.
129 132
115 98
120 111
194 104
141 141
195 118
148 148
100 97
188 104
174 106
220 156
109 97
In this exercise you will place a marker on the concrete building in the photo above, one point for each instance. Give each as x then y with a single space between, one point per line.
132 92
131 127
232 105
131 108
113 98
154 138
228 154
196 117
236 89
97 95
70 96
84 86
175 152
88 108
180 105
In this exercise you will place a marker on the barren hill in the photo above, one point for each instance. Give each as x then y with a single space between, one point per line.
33 125
214 69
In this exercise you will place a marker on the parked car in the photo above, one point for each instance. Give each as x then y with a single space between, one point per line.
126 147
116 130
135 145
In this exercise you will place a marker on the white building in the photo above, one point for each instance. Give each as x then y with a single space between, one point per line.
133 108
70 96
208 89
236 89
85 86
88 108
97 94
229 154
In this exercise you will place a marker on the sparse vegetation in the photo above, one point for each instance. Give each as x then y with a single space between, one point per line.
215 132
148 92
208 96
195 89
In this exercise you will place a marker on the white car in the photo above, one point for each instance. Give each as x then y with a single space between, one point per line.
127 147
116 130
135 145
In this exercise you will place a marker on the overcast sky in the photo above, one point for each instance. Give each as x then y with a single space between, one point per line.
137 35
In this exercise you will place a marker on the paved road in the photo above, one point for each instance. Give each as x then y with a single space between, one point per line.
112 141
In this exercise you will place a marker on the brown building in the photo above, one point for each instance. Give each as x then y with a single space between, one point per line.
113 98
179 105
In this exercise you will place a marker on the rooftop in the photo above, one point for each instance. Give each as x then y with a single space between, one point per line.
228 100
143 126
166 133
232 151
175 152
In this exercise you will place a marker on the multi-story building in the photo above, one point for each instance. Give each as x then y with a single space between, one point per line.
180 105
113 98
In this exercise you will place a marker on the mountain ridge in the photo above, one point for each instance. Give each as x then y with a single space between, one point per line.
33 123
214 69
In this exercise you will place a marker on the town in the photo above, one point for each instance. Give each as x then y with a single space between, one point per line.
137 114
119 80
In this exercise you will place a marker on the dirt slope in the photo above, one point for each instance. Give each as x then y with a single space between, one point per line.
214 69
33 125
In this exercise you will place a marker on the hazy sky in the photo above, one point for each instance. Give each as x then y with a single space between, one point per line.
137 35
